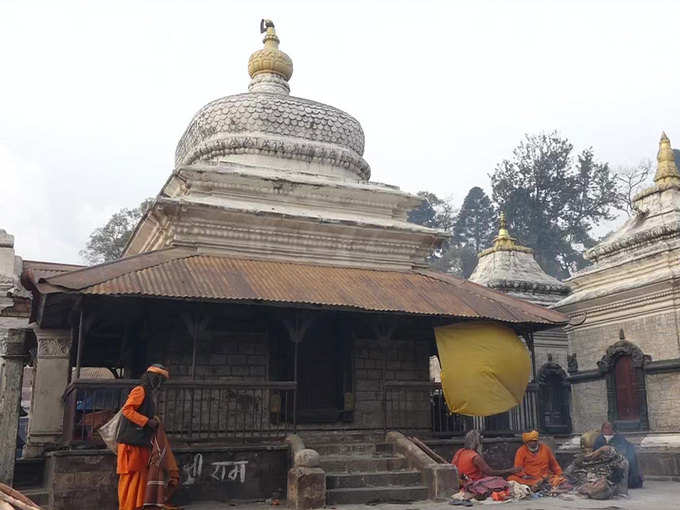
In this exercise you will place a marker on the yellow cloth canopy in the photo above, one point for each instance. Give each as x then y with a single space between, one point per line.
485 367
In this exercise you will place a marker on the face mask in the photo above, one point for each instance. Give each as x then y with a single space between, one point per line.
533 450
608 438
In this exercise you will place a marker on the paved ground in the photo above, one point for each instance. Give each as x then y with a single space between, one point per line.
655 496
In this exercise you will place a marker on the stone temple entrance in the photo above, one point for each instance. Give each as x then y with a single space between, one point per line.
324 366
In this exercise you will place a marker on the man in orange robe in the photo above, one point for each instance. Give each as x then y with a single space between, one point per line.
537 463
138 424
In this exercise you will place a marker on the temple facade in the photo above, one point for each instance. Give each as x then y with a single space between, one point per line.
285 291
624 336
510 268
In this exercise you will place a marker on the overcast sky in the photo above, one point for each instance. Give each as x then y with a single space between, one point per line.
94 96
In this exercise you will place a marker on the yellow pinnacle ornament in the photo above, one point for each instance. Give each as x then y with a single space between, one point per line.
666 171
270 59
504 242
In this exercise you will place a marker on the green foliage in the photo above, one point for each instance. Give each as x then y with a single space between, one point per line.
476 222
433 212
553 199
108 242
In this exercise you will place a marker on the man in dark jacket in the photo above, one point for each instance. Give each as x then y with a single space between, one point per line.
137 427
609 437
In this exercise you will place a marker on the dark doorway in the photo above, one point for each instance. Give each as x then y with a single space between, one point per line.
320 397
627 401
324 367
554 396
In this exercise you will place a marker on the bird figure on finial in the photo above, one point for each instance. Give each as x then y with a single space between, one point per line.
265 24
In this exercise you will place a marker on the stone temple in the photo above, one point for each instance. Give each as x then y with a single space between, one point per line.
624 328
287 294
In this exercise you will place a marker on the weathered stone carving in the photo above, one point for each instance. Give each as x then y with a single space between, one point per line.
54 347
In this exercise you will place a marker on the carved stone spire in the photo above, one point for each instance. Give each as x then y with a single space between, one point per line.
270 68
666 171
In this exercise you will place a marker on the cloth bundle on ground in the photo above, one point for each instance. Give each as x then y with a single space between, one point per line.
601 474
626 449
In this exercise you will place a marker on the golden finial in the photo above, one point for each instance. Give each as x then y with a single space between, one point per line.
504 241
503 230
666 170
270 59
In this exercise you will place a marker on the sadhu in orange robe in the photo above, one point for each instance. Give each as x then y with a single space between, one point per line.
537 467
133 461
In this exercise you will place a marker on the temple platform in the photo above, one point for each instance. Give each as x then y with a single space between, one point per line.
656 495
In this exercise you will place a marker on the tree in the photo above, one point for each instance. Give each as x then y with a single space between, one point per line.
553 199
433 212
629 182
108 242
476 221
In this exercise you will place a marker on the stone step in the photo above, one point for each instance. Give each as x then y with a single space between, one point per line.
38 495
362 464
365 495
351 448
374 479
341 436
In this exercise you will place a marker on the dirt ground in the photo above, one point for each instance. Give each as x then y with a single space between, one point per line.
655 496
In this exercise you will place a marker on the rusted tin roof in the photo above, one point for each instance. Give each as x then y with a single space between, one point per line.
189 274
36 269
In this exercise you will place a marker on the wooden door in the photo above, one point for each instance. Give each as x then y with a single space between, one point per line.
627 399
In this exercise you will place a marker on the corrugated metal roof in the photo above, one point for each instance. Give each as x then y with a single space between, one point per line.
188 274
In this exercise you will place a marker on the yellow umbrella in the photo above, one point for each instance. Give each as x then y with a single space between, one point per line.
485 367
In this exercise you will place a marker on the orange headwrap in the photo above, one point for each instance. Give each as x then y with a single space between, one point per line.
530 436
158 370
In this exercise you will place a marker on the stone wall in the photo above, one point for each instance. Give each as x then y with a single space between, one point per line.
662 401
589 405
227 350
86 479
655 334
396 360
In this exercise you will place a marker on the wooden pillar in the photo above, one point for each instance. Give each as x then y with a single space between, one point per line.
12 359
53 363
384 329
297 328
529 337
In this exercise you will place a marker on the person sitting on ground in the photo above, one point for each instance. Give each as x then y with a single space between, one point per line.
601 474
479 479
609 437
536 464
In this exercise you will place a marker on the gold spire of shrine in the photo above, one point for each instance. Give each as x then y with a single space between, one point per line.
504 241
270 59
666 170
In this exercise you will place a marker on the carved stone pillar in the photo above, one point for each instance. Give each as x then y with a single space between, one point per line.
45 425
11 376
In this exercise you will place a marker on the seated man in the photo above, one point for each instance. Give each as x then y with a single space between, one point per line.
478 478
609 437
537 463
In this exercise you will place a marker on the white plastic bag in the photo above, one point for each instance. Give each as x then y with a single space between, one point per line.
109 431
